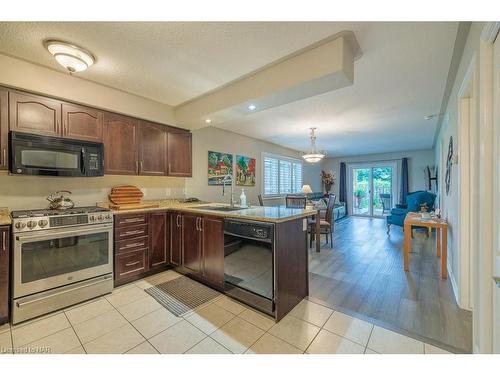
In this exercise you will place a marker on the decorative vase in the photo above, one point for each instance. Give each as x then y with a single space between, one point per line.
328 187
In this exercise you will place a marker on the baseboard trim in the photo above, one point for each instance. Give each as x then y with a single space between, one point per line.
454 286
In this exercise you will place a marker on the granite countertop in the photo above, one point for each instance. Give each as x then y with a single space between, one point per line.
5 216
273 214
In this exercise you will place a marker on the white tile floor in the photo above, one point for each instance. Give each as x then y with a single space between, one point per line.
130 321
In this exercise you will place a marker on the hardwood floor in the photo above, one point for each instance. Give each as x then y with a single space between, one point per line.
363 275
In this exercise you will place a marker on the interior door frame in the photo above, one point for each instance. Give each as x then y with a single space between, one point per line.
496 191
394 164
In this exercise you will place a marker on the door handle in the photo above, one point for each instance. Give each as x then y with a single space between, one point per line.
4 240
135 244
131 232
178 221
132 263
4 157
201 224
197 223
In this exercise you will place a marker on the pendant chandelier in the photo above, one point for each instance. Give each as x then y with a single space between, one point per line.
314 155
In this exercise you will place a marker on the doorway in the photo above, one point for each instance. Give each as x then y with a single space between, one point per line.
372 188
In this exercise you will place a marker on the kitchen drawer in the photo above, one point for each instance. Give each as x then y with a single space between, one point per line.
131 244
130 264
130 219
125 232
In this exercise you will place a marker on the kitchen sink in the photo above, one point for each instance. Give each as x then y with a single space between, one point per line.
219 208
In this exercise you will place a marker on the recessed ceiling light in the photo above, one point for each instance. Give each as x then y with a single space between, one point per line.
208 121
252 107
71 57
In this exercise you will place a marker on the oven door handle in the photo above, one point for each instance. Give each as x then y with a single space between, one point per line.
68 233
21 304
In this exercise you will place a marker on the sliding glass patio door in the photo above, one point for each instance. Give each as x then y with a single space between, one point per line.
372 188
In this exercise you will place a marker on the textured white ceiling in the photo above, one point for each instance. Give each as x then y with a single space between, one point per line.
399 79
170 62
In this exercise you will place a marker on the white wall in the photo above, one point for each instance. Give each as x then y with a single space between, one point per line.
417 161
450 203
214 139
26 76
29 192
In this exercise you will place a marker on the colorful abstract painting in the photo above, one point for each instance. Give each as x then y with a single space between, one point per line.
219 165
245 171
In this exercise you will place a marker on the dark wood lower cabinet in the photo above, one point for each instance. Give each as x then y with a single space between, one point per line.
175 221
290 266
159 239
213 250
191 244
203 248
4 273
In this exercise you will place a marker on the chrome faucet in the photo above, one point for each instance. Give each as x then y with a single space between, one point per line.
228 177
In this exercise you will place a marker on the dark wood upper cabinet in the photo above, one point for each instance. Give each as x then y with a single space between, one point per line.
81 123
175 221
159 239
152 149
191 244
4 273
213 250
34 114
179 147
120 144
4 128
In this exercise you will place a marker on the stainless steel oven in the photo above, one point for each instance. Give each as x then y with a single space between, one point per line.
54 268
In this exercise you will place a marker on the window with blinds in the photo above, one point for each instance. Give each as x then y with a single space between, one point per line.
281 175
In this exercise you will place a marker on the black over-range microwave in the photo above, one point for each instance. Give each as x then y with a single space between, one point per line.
49 156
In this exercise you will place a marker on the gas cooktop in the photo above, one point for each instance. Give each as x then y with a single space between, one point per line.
45 212
36 220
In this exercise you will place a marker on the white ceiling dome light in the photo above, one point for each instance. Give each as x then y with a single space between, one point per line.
314 155
71 57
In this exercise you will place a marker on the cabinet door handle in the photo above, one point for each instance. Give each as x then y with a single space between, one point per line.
134 220
168 167
135 244
178 220
4 157
131 232
142 168
132 263
197 223
137 166
201 224
4 240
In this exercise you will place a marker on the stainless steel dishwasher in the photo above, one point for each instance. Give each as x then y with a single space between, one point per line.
249 263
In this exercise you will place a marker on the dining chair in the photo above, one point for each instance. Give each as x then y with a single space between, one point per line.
326 225
261 201
295 201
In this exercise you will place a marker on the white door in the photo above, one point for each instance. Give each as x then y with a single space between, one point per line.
496 267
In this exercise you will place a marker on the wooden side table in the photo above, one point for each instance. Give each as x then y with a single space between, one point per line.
415 219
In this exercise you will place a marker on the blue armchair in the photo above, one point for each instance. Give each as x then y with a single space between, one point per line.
413 202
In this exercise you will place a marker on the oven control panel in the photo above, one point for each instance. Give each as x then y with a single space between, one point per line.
28 224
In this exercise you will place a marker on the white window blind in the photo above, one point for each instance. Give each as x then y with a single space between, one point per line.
282 176
271 169
297 177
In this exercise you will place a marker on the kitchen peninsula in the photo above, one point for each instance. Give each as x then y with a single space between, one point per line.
200 240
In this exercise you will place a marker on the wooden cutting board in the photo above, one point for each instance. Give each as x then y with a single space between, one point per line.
128 198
